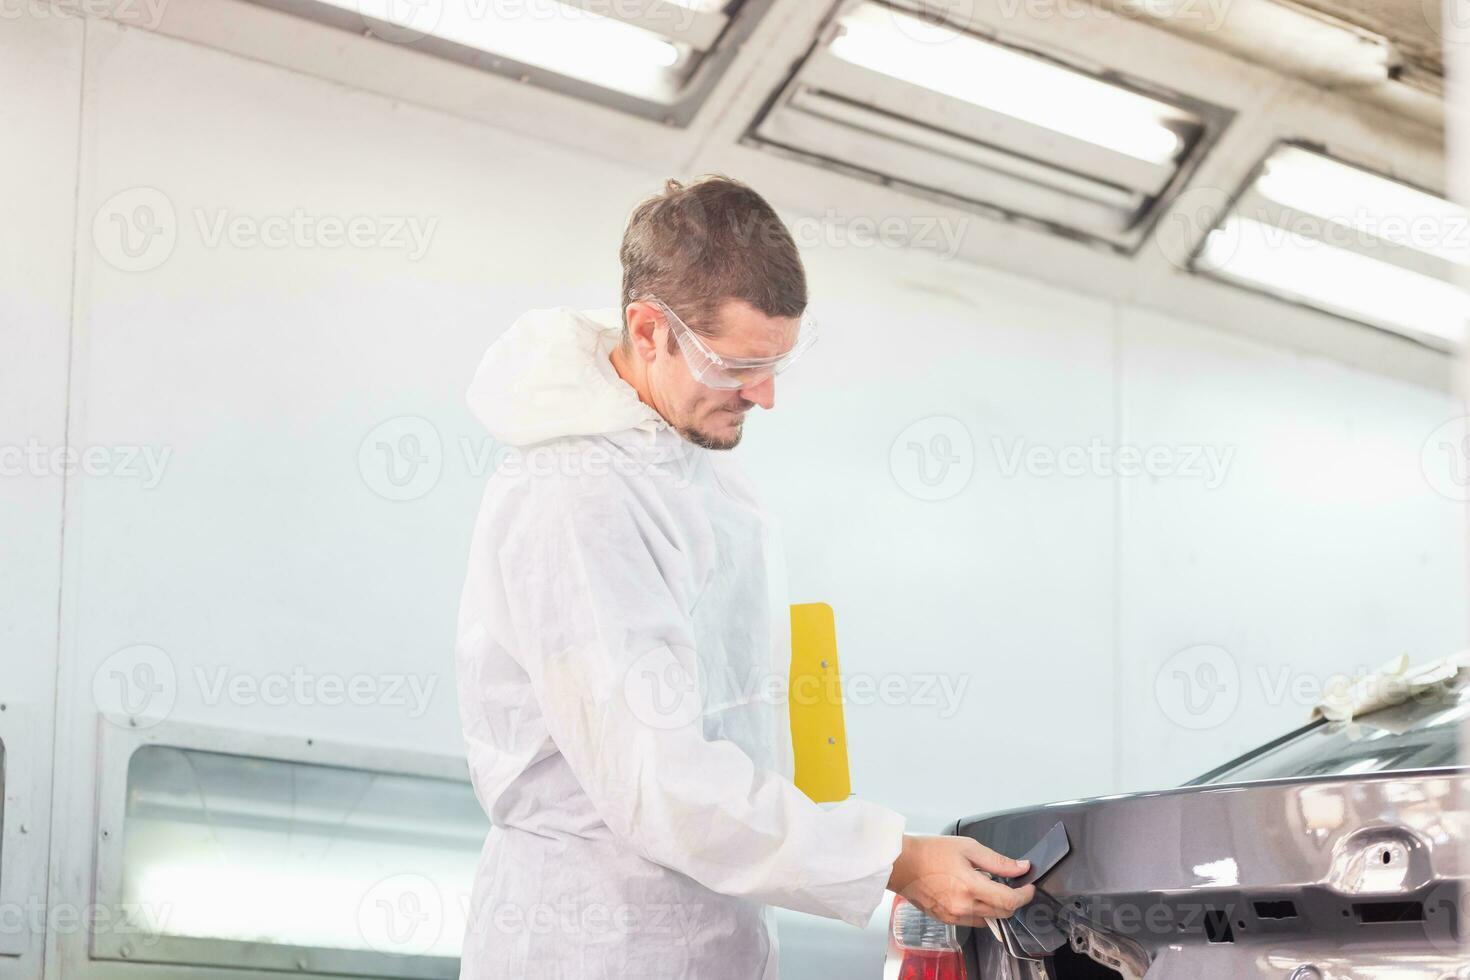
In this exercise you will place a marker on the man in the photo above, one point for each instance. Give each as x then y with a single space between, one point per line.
621 619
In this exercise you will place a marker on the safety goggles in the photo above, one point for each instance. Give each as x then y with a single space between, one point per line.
718 370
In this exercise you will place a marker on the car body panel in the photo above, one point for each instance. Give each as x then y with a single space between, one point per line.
1370 864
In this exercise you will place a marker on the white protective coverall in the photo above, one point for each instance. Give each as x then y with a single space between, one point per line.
622 654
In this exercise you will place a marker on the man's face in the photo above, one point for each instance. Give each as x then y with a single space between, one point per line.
713 417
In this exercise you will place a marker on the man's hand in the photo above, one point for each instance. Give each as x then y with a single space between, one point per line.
944 877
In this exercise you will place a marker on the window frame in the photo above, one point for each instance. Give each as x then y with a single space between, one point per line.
115 752
24 829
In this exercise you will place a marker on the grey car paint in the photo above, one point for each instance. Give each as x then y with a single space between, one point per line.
1318 878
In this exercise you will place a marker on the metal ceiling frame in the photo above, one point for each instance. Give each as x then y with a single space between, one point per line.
715 38
1214 120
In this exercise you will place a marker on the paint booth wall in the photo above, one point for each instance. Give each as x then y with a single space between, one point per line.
1073 547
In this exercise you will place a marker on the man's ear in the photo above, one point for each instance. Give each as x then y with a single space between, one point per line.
643 325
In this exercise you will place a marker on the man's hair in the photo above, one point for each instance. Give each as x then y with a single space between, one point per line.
696 246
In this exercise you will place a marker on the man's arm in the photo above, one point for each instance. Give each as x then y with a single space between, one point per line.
599 628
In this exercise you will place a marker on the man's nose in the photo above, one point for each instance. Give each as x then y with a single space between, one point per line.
762 393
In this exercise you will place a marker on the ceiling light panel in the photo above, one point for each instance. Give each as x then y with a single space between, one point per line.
915 102
653 58
1319 232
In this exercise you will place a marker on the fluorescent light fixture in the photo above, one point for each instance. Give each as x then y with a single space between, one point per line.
656 58
1007 81
558 37
1313 230
1360 199
928 107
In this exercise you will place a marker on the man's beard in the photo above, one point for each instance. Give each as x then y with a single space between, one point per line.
706 441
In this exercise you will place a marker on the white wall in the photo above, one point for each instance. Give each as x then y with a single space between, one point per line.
40 63
269 544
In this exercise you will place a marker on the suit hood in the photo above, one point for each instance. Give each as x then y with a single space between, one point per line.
549 376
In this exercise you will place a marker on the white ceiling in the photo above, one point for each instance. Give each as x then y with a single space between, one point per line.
1285 73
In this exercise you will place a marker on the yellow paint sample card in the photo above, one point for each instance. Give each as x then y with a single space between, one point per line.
818 735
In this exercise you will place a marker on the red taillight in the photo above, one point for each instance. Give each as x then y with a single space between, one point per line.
920 947
923 965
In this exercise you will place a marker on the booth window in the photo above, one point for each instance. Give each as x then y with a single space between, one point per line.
227 855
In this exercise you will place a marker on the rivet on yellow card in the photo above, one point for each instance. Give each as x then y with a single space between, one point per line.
818 735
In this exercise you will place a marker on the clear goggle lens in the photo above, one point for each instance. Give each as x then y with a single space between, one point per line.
718 371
